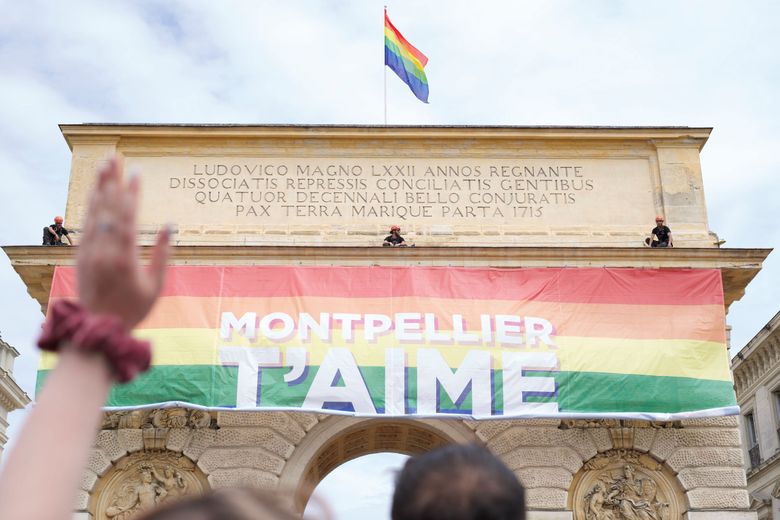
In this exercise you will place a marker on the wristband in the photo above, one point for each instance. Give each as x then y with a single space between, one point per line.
67 321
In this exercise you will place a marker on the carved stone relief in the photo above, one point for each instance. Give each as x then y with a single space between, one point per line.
625 485
622 432
157 423
143 480
157 418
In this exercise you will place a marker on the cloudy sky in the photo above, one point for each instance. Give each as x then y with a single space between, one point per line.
693 63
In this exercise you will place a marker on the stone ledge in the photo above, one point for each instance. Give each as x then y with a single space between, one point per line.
243 477
35 264
549 515
252 437
718 498
693 478
230 458
546 498
720 515
702 457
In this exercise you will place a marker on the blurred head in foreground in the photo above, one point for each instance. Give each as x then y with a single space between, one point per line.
457 482
224 504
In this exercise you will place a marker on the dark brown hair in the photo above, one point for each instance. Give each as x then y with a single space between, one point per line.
457 482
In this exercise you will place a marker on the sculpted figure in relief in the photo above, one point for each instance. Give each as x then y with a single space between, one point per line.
172 481
624 497
150 489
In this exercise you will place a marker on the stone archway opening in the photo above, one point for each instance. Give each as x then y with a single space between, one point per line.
360 488
367 437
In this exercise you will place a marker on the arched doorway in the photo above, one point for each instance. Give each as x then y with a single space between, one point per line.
358 489
337 440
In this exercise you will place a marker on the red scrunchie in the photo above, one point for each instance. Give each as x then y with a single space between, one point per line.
68 321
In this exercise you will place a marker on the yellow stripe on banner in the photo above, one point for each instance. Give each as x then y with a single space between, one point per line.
679 358
389 34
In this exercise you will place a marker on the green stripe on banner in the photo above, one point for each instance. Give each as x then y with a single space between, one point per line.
204 385
578 392
600 392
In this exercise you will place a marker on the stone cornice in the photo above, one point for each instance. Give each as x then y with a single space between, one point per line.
758 360
5 345
659 136
12 397
35 264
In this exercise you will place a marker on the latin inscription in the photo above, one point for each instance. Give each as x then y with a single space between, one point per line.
419 190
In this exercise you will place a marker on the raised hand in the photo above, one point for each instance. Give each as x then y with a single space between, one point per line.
110 279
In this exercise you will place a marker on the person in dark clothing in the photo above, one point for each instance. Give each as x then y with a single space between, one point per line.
52 235
457 482
394 239
661 235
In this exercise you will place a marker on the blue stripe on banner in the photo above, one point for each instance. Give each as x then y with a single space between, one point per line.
396 64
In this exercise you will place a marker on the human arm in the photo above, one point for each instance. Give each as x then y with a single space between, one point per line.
67 235
110 282
55 236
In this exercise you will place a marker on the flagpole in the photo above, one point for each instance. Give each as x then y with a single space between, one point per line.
385 68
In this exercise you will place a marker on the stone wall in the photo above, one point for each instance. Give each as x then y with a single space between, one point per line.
12 397
695 464
474 186
756 371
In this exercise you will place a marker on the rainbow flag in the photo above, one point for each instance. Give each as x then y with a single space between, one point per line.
434 341
406 61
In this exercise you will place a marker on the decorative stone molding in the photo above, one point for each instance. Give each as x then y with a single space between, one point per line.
625 485
159 418
143 480
759 357
622 432
12 397
776 490
162 428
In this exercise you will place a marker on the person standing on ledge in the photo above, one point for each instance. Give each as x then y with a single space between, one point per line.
661 235
52 235
394 239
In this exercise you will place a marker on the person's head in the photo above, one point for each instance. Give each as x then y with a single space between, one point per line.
58 220
224 504
457 482
395 229
659 220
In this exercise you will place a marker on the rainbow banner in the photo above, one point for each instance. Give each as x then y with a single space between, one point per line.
435 341
406 61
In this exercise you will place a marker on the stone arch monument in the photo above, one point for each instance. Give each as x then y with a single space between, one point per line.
606 469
